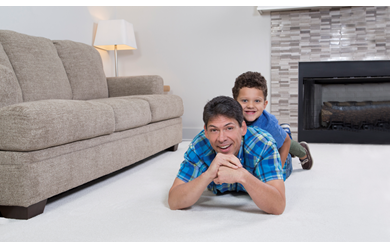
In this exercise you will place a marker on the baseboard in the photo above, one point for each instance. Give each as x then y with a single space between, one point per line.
190 133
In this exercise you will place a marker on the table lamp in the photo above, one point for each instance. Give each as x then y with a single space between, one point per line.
115 35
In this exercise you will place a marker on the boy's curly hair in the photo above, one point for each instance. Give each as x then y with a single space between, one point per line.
250 80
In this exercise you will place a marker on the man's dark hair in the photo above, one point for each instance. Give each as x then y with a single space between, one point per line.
250 80
225 106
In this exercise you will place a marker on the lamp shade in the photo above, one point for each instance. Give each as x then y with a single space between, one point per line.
115 32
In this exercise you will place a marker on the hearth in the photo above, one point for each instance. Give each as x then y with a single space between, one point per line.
344 102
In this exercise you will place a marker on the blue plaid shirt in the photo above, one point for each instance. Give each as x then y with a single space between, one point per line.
258 154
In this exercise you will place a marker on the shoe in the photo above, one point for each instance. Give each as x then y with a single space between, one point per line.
286 128
306 163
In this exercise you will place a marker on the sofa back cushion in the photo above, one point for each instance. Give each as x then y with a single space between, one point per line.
10 92
37 66
84 68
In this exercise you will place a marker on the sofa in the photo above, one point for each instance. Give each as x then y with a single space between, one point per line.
63 123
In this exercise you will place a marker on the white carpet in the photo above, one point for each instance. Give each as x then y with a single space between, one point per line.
345 197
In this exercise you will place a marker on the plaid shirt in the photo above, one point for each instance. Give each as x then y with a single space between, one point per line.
258 154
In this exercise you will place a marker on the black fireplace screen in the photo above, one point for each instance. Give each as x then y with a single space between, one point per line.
340 103
356 115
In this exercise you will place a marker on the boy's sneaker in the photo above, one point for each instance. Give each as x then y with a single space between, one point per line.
306 163
286 128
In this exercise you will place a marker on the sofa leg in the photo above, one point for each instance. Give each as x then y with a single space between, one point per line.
173 148
24 213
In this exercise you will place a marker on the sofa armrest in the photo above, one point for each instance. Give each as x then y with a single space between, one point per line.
135 85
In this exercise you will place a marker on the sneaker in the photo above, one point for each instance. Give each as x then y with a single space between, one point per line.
306 163
286 128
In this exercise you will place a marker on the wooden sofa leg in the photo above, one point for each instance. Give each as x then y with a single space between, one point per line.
173 148
24 213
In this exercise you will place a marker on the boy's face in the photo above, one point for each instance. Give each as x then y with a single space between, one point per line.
225 134
252 102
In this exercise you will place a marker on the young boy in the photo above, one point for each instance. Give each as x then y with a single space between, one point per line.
250 90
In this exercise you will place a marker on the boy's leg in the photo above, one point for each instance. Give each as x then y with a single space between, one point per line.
296 149
299 149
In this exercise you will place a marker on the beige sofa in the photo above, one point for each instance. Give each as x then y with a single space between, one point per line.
63 123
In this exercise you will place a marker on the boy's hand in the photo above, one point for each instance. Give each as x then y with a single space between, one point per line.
222 160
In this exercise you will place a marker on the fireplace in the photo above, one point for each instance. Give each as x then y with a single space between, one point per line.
344 102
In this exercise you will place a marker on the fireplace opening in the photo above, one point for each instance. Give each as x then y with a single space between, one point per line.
344 102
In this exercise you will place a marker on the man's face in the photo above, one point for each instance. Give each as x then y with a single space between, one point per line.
225 134
252 102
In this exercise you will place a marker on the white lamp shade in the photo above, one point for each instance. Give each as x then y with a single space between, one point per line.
115 32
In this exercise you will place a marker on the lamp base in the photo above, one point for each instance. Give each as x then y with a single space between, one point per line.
116 61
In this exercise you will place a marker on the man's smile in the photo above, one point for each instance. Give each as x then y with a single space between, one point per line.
224 148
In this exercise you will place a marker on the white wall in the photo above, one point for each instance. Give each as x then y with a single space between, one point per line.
199 51
58 23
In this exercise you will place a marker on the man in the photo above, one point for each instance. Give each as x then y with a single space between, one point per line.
228 156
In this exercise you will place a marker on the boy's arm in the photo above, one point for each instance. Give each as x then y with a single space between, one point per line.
284 149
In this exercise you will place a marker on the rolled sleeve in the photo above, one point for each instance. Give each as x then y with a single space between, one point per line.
191 167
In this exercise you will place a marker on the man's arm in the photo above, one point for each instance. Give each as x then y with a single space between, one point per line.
285 149
185 194
269 197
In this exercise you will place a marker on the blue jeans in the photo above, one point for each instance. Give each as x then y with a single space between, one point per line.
288 170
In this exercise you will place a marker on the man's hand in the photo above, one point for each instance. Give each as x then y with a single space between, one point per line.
222 160
229 175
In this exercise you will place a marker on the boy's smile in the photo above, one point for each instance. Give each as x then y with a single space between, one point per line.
252 102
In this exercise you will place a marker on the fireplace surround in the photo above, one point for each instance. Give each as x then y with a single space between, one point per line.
355 33
344 102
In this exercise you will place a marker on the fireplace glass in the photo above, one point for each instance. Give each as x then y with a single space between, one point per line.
344 102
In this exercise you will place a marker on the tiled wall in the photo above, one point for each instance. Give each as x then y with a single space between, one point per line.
337 34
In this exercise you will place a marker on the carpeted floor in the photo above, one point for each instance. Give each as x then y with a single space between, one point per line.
345 197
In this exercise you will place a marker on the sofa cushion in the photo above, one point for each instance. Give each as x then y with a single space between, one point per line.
37 66
135 85
129 113
42 124
163 107
84 68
